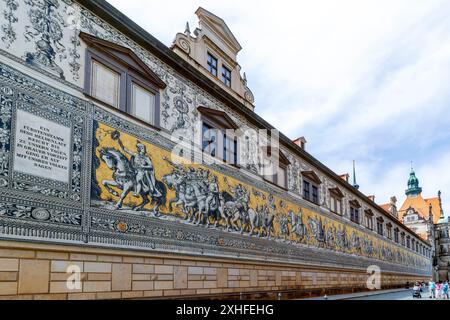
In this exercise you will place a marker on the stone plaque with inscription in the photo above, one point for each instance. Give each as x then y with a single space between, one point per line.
42 147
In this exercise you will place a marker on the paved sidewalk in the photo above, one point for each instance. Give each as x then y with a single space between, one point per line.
358 294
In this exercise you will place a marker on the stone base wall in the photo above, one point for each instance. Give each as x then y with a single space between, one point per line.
38 271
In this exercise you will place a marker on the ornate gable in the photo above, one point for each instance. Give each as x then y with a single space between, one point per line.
218 28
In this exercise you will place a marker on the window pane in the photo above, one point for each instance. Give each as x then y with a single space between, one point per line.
306 187
212 64
226 76
229 149
315 194
209 142
105 84
143 104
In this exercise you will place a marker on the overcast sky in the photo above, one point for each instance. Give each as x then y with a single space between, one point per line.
361 80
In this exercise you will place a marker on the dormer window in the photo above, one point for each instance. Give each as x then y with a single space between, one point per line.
116 77
212 64
226 76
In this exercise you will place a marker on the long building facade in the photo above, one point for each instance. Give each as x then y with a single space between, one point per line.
93 111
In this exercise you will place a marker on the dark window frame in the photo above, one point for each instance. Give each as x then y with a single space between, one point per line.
211 58
220 122
380 226
354 214
311 193
311 187
226 76
355 211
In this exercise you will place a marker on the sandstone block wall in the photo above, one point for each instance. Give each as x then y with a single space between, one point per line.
35 271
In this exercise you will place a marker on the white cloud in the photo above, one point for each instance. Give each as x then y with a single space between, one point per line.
364 80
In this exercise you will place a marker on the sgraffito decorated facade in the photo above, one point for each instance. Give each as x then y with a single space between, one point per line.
79 176
178 193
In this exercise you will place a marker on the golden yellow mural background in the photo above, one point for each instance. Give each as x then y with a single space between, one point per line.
162 167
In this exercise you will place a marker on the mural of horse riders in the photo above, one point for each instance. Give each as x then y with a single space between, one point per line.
262 220
131 175
197 194
136 175
298 227
317 229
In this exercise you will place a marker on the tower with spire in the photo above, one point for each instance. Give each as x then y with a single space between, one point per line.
413 185
355 185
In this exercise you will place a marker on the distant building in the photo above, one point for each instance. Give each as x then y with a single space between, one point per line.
416 212
425 216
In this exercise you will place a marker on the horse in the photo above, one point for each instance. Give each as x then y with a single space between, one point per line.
176 182
123 174
124 179
236 211
262 220
193 196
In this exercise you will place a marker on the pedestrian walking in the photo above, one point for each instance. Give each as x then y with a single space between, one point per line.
416 290
445 290
432 288
438 290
